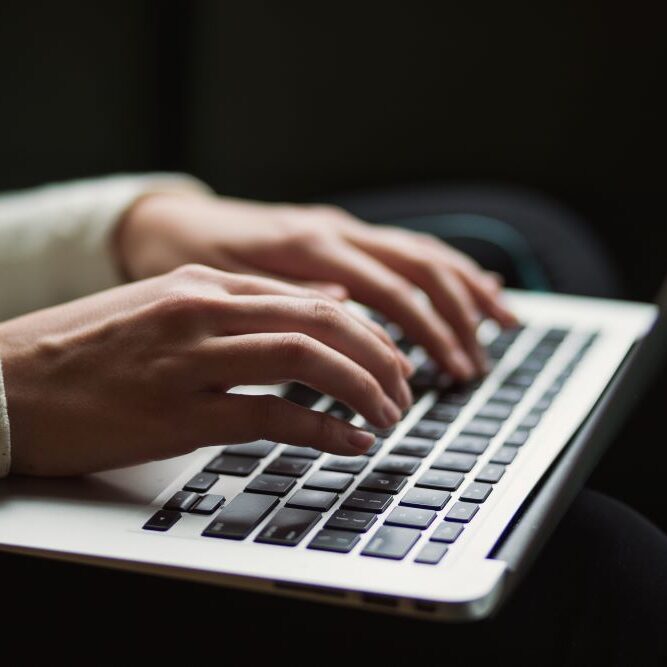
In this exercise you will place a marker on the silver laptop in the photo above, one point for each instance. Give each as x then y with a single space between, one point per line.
440 519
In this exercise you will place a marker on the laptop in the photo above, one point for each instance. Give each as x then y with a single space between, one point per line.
440 519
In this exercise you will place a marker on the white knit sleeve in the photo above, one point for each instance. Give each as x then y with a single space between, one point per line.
4 430
55 240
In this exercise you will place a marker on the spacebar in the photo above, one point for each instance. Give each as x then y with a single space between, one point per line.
238 519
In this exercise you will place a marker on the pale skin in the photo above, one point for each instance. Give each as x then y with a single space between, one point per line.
143 371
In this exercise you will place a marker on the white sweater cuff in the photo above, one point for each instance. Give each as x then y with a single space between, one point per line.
55 242
5 452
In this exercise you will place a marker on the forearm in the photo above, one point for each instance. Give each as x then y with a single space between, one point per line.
55 241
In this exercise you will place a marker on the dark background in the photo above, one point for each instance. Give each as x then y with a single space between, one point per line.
294 100
304 100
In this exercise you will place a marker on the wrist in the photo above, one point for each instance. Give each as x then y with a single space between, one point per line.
140 231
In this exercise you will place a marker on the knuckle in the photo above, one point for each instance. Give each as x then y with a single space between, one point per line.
300 238
326 313
369 387
295 348
183 304
326 428
266 408
195 272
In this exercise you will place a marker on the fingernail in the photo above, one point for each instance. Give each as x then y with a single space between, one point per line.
463 364
404 394
390 412
361 440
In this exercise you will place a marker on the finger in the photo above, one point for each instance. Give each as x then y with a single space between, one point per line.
235 418
218 364
445 289
488 295
333 290
248 285
484 286
326 321
376 285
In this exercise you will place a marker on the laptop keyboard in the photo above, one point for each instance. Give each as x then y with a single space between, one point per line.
415 499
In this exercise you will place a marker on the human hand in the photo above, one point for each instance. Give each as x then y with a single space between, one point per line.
141 372
377 265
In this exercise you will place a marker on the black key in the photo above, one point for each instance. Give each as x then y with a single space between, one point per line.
413 447
162 520
290 466
328 481
519 379
504 455
511 395
543 404
334 540
441 479
485 427
531 365
181 501
399 465
302 395
309 499
202 482
349 464
447 532
226 464
429 376
243 514
531 420
428 429
258 449
381 432
359 522
383 481
462 512
367 501
468 444
301 452
208 504
341 411
455 461
554 389
375 447
431 553
426 498
517 439
275 485
288 527
477 492
456 397
390 542
410 517
443 412
492 410
491 473
543 351
556 335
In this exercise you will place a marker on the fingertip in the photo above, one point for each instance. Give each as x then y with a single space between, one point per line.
407 367
334 290
461 365
361 441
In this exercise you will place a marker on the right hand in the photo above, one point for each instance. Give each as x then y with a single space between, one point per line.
142 372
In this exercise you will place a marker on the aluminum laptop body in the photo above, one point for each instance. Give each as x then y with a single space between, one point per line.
576 365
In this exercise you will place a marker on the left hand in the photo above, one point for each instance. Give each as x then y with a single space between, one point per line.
328 248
